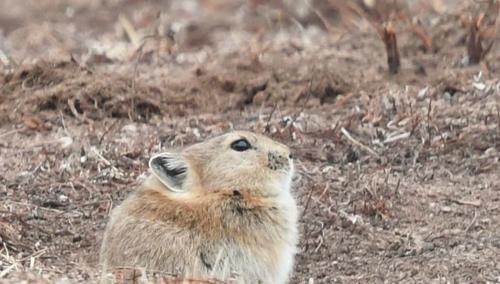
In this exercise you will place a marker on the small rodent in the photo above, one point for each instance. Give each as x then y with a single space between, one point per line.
218 209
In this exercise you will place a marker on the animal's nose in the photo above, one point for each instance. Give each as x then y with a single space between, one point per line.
290 156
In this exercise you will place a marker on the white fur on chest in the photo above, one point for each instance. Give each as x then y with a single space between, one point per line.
286 245
291 241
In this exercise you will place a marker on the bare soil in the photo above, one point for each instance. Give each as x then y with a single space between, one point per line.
397 178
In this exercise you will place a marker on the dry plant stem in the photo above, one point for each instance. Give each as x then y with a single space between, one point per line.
35 206
483 26
386 32
7 270
498 118
466 202
306 207
391 47
474 219
429 109
357 143
268 125
397 137
72 107
474 45
17 263
323 20
422 34
10 132
107 131
130 30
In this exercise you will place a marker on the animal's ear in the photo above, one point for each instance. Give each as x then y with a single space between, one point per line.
170 169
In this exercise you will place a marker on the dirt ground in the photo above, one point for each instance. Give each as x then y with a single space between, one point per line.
397 178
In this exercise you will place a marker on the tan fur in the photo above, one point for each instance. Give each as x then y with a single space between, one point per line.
237 217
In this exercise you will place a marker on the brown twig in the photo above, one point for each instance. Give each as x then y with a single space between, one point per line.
474 42
391 48
107 131
306 207
267 128
417 29
72 107
482 27
429 109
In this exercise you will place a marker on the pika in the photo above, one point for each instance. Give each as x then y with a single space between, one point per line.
219 209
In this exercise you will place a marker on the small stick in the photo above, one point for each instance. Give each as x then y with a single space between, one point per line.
466 202
63 141
482 26
129 30
35 206
107 131
71 104
397 137
306 207
319 245
357 143
396 191
323 20
7 270
10 132
429 110
268 126
472 222
106 162
422 34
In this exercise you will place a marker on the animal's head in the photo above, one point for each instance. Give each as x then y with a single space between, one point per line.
237 161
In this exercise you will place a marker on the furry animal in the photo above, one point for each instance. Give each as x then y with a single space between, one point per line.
219 209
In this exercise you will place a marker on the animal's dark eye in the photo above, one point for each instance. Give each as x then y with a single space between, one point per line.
241 145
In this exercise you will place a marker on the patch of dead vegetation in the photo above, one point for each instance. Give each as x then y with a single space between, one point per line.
81 92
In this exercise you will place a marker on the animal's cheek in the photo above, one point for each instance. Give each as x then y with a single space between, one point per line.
262 160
